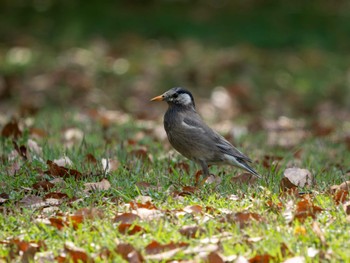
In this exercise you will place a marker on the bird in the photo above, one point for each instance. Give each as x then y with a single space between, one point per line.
194 139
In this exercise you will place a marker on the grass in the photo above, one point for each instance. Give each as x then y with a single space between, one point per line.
247 239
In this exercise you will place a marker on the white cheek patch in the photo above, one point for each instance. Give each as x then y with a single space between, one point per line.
185 99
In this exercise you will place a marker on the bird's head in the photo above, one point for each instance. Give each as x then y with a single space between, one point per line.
176 96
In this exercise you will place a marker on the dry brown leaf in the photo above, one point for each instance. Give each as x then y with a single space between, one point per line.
90 212
265 258
147 205
242 218
214 257
126 218
76 254
11 129
305 208
193 209
340 196
109 165
155 248
103 185
129 253
90 158
60 171
343 186
130 229
346 207
43 185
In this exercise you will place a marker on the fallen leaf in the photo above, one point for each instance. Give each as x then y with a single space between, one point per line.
193 209
60 171
90 212
103 185
76 254
155 248
265 258
343 186
305 208
147 205
43 185
346 207
299 177
129 253
11 129
214 257
90 158
340 196
242 218
63 161
126 218
130 229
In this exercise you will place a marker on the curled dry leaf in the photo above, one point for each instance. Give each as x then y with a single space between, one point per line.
346 207
214 257
90 158
155 248
265 258
76 254
193 209
305 208
340 196
129 253
130 229
60 171
242 218
343 186
43 185
11 129
126 218
103 185
299 177
147 205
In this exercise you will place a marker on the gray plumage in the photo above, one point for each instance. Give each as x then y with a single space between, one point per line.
191 137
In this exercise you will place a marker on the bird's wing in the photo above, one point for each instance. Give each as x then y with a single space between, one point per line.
195 122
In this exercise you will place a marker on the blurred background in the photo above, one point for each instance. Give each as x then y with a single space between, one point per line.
260 58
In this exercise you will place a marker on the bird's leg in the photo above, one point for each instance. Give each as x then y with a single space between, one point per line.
205 173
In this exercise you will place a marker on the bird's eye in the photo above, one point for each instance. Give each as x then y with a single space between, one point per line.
175 95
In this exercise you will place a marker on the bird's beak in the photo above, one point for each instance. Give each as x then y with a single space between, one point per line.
158 98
